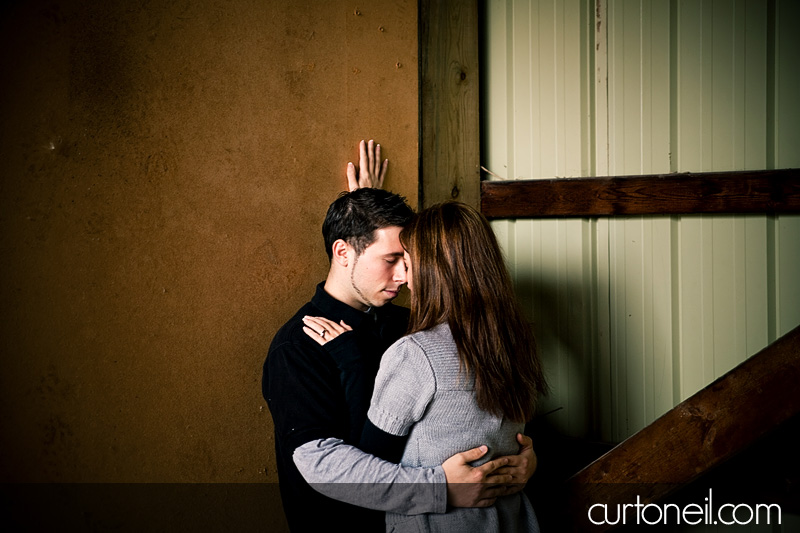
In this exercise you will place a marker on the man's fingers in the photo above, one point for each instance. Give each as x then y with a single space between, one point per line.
472 494
371 171
490 466
526 450
362 155
352 179
486 502
382 174
371 157
473 454
499 479
511 489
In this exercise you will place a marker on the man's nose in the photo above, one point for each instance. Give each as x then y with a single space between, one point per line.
400 275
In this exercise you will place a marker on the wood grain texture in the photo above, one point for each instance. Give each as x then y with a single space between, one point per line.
764 191
697 435
449 102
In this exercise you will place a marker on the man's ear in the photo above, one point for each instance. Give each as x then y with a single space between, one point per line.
341 252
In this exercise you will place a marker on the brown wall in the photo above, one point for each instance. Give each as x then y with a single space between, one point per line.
165 172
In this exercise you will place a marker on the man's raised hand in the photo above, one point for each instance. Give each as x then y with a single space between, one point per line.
371 171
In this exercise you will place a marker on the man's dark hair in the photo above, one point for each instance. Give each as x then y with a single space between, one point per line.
354 217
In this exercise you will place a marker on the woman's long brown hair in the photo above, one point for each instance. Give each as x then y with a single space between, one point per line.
459 277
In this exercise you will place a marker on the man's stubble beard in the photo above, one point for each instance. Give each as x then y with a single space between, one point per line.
355 288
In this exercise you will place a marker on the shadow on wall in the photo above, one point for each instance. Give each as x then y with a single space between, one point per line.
566 342
564 432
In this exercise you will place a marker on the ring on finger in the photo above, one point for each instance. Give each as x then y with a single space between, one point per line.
322 333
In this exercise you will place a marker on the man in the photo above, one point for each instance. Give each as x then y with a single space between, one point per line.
316 391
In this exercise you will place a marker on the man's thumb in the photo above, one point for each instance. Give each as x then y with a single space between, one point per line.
474 453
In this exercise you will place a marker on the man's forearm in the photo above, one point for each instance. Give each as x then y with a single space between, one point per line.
347 474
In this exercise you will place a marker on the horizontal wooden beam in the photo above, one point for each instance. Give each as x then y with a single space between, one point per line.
697 435
761 191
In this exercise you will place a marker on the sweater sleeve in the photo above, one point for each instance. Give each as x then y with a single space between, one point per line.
355 377
303 394
347 474
317 391
404 387
377 442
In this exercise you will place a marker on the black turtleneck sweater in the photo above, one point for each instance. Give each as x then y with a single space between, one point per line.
317 392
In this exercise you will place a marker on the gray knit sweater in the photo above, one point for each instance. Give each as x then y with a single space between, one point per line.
421 392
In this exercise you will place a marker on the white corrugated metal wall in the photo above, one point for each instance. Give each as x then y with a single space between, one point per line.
635 314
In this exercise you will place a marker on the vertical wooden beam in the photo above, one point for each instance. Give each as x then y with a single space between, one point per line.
449 102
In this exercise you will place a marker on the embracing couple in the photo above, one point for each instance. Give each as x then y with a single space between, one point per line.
386 419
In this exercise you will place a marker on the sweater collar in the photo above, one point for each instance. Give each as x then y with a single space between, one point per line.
334 309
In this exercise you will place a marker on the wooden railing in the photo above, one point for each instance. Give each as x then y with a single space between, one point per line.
699 434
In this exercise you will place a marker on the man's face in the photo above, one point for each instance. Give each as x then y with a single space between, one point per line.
377 274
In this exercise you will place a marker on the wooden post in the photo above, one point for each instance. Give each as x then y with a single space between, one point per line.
449 102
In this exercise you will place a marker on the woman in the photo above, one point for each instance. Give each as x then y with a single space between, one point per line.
466 375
